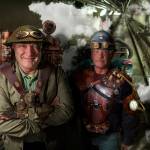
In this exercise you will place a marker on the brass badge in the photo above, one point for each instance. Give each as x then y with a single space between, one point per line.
30 98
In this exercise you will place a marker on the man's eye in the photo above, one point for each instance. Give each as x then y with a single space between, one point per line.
36 46
24 46
21 45
96 50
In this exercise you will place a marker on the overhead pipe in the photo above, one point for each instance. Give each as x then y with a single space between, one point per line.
137 54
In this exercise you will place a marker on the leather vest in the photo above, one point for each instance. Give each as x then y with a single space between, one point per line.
98 99
98 102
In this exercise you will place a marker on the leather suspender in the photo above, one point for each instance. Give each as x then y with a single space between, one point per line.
9 73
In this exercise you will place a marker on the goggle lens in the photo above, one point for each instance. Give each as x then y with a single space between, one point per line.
96 45
24 34
103 45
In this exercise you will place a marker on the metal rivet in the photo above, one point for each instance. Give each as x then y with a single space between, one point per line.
17 84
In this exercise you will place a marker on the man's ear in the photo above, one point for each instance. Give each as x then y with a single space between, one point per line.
13 46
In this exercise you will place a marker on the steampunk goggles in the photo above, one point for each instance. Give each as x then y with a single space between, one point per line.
103 45
34 34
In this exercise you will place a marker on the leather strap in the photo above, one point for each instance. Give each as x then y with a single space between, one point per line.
42 79
100 93
9 73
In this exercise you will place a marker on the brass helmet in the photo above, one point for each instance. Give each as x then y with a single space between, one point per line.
25 34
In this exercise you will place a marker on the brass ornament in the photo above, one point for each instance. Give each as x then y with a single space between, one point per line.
29 98
17 84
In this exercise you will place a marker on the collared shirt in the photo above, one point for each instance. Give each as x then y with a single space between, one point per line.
29 81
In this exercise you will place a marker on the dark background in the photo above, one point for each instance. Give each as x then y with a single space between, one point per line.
14 13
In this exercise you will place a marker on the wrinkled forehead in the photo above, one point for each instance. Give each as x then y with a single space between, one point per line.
37 46
27 43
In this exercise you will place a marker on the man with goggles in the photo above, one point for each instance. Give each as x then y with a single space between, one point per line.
33 95
104 91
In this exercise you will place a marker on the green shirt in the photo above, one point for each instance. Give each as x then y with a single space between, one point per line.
29 81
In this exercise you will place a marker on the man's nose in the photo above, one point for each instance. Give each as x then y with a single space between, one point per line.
101 54
29 50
